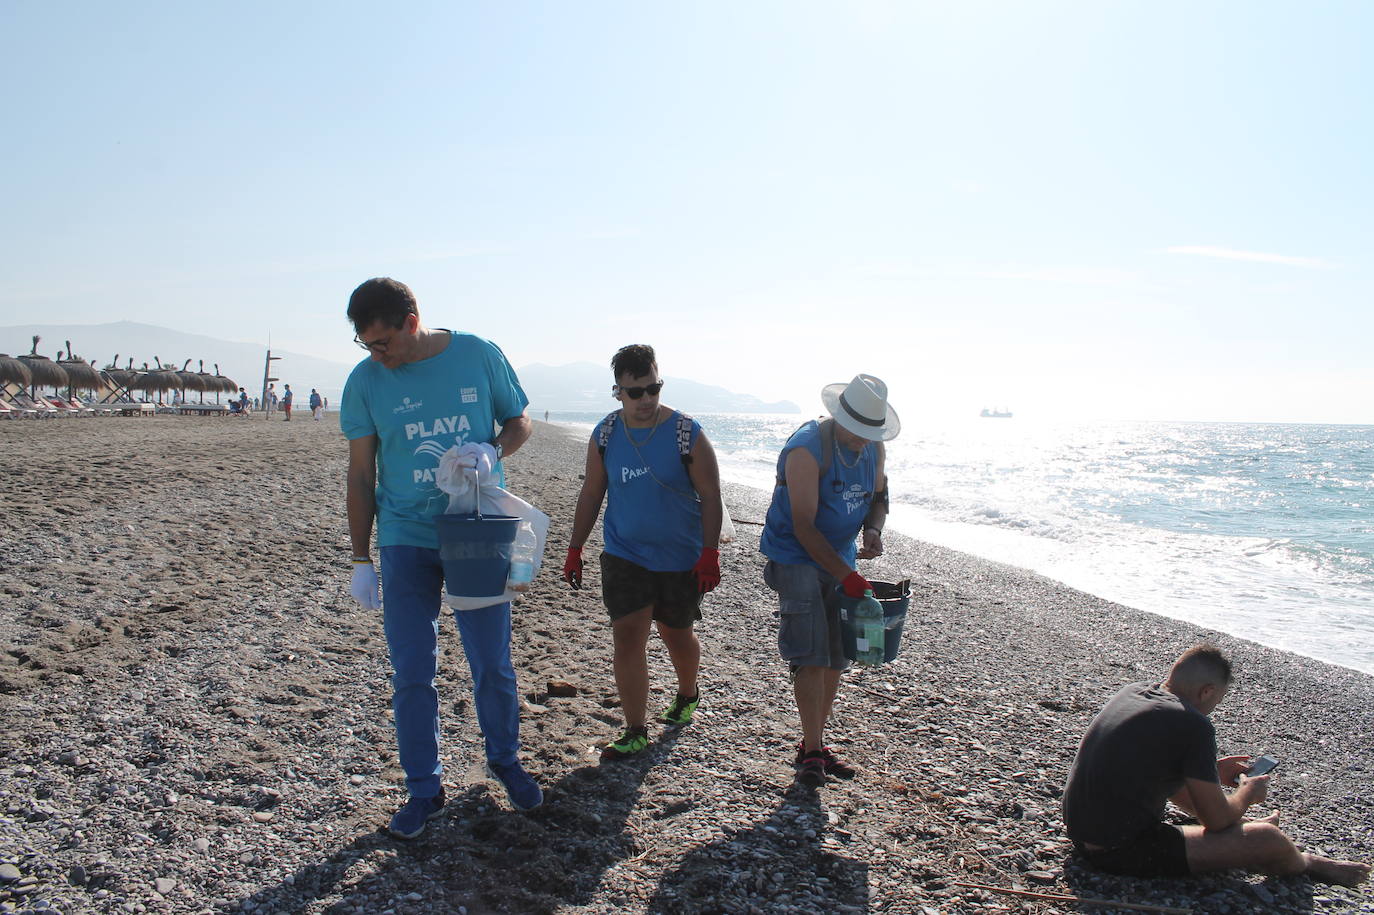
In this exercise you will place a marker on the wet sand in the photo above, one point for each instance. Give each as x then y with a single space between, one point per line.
197 715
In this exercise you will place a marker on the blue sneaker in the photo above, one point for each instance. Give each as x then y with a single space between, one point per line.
523 791
410 820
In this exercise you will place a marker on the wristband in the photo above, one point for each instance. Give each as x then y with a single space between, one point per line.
359 560
876 530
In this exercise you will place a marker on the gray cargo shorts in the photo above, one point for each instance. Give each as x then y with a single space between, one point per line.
808 617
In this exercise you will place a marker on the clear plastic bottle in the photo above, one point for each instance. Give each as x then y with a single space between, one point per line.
868 620
522 558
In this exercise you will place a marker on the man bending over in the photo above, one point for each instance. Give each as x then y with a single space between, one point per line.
1154 743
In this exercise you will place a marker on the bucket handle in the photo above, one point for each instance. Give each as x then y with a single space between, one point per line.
476 496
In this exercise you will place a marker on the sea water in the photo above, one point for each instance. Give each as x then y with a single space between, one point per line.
1263 531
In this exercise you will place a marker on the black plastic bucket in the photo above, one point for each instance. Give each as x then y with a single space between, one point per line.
895 598
475 551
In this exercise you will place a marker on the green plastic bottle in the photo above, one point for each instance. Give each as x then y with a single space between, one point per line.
870 630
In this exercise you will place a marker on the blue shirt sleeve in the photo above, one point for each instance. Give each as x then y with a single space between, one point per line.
508 399
355 417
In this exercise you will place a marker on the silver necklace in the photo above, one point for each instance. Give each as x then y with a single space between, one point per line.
652 430
839 454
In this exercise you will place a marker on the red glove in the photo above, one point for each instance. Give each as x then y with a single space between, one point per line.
572 568
855 585
707 570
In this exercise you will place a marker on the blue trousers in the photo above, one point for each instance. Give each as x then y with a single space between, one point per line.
412 591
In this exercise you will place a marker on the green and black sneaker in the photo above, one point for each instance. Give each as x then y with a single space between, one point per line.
680 712
631 741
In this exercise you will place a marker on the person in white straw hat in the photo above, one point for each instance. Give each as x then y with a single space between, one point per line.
831 489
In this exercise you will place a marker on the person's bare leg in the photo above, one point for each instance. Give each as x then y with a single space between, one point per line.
814 689
1260 846
631 665
684 650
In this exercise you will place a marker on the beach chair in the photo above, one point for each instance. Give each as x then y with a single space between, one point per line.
8 412
40 408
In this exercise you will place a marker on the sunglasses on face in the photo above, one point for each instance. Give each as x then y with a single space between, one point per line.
636 393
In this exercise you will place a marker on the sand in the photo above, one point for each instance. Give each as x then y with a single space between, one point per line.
197 716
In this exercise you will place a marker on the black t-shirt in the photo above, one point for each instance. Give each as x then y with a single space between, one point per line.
1135 756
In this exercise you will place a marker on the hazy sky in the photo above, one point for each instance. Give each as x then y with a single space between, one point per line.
1143 210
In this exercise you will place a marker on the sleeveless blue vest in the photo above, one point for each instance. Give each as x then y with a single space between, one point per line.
844 496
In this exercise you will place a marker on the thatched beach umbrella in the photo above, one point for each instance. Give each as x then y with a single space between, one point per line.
11 369
120 376
189 381
159 379
80 373
226 384
208 382
45 372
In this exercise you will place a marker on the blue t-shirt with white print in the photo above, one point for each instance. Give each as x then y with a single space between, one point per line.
418 411
653 515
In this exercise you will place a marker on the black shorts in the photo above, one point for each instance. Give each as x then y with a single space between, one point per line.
627 587
1160 851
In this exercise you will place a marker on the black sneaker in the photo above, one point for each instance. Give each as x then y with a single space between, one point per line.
811 771
834 766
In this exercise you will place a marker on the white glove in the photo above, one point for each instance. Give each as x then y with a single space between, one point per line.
366 588
478 455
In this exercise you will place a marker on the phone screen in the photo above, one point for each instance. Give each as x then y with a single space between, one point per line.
1262 765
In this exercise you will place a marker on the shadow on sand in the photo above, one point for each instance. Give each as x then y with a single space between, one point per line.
779 862
482 855
1225 891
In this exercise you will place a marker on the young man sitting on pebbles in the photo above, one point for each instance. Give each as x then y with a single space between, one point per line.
419 392
662 538
831 487
1154 742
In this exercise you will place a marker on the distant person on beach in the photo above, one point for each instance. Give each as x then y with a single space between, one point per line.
419 392
270 402
286 398
662 539
1154 742
316 404
243 401
831 489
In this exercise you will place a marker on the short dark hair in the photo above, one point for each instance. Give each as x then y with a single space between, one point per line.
381 299
634 360
1201 664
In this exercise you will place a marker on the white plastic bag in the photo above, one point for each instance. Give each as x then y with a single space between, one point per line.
456 478
727 527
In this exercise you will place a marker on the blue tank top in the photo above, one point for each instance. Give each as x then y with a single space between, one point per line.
653 515
841 506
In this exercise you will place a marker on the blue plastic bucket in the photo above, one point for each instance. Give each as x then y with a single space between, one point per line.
895 598
475 551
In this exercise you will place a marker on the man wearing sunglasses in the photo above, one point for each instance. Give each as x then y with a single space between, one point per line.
420 392
657 472
822 504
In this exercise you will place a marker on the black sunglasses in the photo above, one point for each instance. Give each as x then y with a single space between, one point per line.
636 393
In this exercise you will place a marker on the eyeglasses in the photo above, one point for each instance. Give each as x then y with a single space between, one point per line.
636 393
376 346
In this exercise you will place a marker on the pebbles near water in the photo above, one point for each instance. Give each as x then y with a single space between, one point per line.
197 716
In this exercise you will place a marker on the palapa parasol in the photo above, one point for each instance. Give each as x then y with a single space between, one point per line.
11 369
159 379
45 372
80 373
118 375
226 384
189 381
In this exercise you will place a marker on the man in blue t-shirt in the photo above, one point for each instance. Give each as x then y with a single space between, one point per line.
420 392
831 488
661 539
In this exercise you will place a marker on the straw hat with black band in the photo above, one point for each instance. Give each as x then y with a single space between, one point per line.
861 407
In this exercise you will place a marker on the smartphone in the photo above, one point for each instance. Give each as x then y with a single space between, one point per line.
1262 765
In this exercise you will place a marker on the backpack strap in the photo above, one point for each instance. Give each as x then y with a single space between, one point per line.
603 433
827 430
684 438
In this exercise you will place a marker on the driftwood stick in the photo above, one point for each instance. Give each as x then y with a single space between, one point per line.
1134 906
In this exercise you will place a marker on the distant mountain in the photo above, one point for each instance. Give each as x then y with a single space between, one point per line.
586 387
243 362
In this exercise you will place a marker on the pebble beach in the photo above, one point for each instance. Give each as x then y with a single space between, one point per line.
197 716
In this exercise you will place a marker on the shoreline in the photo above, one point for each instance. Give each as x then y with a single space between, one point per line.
198 715
757 507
